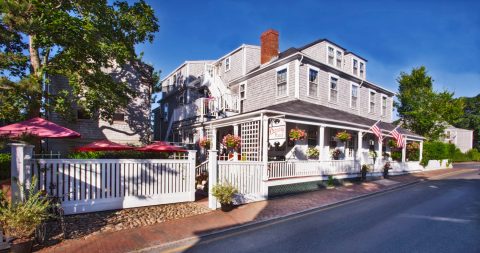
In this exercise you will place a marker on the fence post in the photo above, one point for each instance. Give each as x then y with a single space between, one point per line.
20 170
192 163
264 145
212 177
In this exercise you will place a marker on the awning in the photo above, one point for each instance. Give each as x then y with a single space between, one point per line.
39 127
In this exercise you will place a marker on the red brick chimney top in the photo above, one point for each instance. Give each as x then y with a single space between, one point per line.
269 45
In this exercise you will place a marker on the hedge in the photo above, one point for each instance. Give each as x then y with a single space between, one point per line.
440 151
118 155
5 166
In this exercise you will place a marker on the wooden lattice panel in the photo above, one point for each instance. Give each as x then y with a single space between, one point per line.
250 140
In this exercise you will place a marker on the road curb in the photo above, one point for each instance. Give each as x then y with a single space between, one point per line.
171 245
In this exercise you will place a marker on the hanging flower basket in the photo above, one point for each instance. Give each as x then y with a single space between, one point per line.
204 143
231 141
297 134
343 136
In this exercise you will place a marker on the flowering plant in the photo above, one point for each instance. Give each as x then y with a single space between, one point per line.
343 136
336 153
204 143
297 134
231 141
313 152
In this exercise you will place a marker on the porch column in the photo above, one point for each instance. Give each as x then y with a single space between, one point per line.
404 151
360 147
264 146
420 156
380 148
321 142
235 132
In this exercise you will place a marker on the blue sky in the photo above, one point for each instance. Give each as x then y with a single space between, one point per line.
393 36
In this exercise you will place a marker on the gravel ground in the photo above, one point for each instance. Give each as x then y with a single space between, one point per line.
84 225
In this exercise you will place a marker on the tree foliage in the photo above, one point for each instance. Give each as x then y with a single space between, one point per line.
40 39
421 109
471 118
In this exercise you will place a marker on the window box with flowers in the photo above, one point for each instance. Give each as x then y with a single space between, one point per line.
297 134
204 143
231 142
343 136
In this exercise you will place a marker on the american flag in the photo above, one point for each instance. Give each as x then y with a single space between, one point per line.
376 130
398 137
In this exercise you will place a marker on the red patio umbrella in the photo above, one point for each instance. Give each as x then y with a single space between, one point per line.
104 145
39 127
161 146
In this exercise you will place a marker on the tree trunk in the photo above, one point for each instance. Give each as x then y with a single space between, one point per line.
36 80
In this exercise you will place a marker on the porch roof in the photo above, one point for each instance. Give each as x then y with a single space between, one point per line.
303 108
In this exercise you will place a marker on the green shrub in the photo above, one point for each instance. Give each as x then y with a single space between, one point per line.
331 181
397 156
440 151
118 155
5 164
224 193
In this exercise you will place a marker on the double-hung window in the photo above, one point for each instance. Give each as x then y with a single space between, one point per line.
371 99
331 55
354 97
313 82
339 59
384 105
355 67
282 82
242 91
174 79
333 89
227 64
362 69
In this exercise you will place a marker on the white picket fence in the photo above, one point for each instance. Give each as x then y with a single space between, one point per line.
108 184
290 169
245 176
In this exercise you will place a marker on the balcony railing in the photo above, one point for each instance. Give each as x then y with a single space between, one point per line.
206 108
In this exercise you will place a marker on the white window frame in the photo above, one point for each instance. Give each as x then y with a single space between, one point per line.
328 54
361 72
308 80
358 96
370 91
335 50
229 63
384 112
244 91
336 58
330 87
353 66
286 66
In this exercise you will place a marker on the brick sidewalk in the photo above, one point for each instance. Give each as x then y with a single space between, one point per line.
194 226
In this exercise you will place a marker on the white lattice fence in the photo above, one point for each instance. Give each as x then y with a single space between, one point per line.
250 141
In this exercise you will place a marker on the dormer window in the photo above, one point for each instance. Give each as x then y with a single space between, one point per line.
227 64
331 55
339 59
355 67
362 69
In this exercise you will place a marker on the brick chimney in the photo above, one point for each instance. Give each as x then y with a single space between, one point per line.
269 45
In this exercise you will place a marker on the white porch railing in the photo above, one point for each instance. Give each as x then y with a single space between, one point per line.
289 169
201 168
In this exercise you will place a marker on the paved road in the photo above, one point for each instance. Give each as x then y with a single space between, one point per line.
433 216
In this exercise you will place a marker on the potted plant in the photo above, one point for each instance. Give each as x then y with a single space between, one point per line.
19 220
232 142
386 167
330 182
336 153
204 143
365 169
373 154
224 194
313 153
343 136
297 134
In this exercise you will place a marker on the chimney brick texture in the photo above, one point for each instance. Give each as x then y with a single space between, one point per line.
269 45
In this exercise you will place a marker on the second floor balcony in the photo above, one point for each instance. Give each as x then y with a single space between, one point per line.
204 109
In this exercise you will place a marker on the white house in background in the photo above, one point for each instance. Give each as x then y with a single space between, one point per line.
462 138
320 87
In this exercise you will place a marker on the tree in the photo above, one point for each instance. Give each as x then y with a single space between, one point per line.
471 118
421 109
40 39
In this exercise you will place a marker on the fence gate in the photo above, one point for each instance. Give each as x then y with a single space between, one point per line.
108 184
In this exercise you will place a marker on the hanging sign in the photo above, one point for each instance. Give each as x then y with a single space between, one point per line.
277 132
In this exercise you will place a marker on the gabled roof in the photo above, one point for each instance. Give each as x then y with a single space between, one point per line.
303 108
